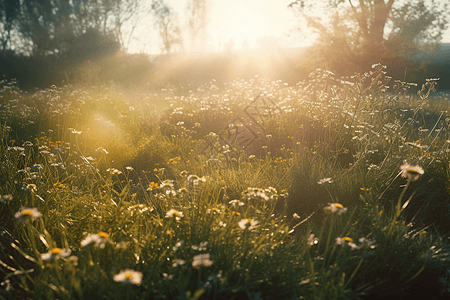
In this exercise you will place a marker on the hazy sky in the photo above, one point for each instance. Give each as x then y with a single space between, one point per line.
243 22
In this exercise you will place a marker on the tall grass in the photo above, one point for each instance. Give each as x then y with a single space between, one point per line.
110 196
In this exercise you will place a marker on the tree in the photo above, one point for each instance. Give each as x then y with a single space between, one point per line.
9 11
197 23
416 29
123 12
51 27
165 20
352 35
52 39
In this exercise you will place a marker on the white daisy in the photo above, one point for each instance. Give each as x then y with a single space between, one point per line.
129 276
25 214
411 172
336 207
55 253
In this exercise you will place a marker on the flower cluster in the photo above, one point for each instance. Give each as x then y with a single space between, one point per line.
202 260
113 171
174 213
248 224
236 203
267 194
363 243
6 198
336 208
98 240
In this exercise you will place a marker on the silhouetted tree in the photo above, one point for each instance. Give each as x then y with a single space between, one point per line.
416 29
352 35
49 27
9 13
51 39
197 23
166 21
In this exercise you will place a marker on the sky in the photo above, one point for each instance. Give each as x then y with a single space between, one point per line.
241 23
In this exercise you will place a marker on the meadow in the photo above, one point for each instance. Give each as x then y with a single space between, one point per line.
333 188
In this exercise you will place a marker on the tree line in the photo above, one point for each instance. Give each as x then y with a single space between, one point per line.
352 35
52 40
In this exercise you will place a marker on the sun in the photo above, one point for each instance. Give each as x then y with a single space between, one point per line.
242 22
235 25
246 23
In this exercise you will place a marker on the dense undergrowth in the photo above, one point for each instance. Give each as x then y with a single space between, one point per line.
110 194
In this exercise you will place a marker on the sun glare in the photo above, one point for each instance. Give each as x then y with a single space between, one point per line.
243 24
232 25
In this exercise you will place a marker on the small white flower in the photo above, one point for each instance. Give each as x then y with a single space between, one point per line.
113 171
411 172
167 184
261 194
248 224
236 203
6 198
336 207
353 246
312 240
99 240
178 262
347 240
25 214
55 253
174 213
129 276
202 260
325 180
73 259
367 243
200 247
178 245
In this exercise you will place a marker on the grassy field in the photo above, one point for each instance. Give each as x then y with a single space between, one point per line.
342 191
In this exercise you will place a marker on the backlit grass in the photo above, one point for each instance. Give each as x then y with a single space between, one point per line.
107 195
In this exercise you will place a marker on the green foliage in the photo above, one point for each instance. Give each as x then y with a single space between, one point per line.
114 196
352 35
